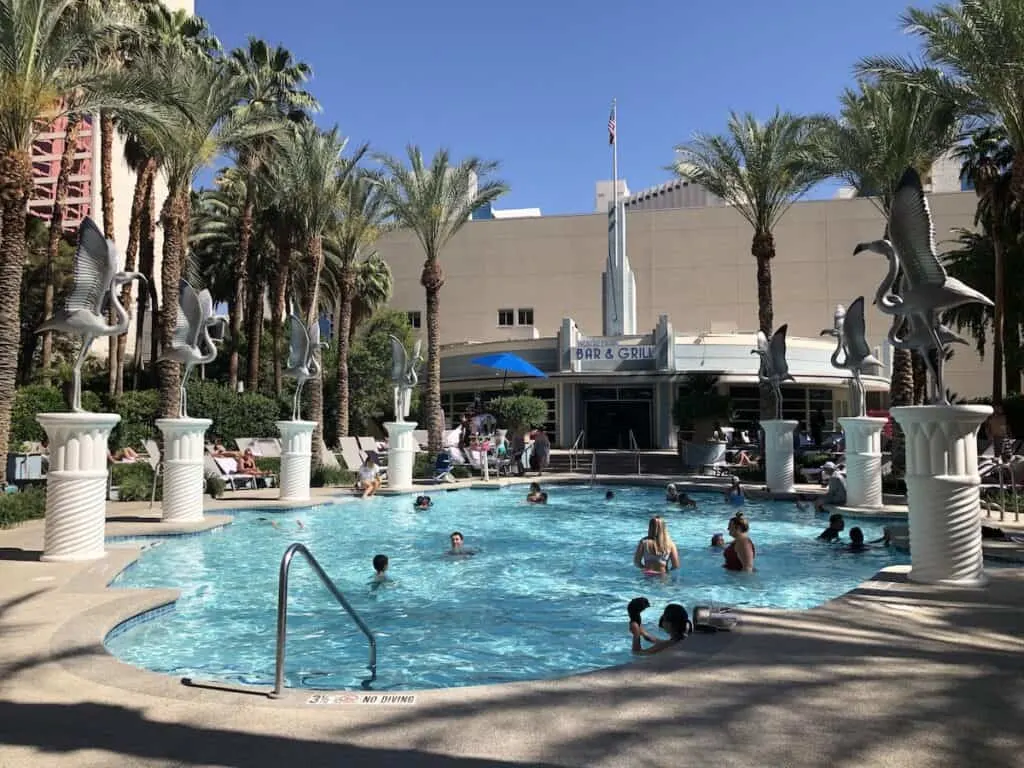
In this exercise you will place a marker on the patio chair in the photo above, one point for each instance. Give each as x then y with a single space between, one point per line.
351 453
327 457
443 468
267 447
226 469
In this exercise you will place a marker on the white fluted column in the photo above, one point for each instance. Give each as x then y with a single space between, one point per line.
296 458
943 494
863 435
184 478
778 454
76 484
402 449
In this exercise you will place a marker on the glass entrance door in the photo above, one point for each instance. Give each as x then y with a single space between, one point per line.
611 412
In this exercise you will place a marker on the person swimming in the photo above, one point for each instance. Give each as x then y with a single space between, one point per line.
685 501
458 546
836 524
671 493
656 553
423 502
380 567
856 541
734 495
536 496
718 540
674 620
636 623
609 495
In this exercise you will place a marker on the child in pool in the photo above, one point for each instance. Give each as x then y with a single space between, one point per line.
380 566
536 496
636 623
423 502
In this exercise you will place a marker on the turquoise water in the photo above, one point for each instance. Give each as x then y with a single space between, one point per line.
545 595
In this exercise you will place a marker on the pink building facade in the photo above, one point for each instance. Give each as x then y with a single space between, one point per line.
46 156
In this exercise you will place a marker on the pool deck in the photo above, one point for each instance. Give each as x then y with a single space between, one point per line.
891 674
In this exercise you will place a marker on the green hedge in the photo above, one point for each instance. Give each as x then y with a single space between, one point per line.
35 399
134 482
423 467
16 508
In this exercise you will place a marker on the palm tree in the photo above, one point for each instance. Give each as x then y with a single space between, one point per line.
972 56
271 80
354 233
760 169
882 128
374 286
49 69
159 30
435 201
987 164
311 175
208 126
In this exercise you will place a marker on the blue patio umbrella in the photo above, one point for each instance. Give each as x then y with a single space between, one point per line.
506 361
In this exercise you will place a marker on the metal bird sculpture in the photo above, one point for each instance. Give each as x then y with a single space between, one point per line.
774 368
96 280
403 375
303 358
926 290
849 332
191 334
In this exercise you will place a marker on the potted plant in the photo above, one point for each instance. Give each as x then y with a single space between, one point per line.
697 410
519 412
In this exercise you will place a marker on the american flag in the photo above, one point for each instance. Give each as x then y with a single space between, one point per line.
611 126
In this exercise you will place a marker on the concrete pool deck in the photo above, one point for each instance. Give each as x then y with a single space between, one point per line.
892 674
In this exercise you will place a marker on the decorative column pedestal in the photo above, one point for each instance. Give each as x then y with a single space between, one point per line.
778 454
943 493
863 436
402 449
76 484
184 478
296 458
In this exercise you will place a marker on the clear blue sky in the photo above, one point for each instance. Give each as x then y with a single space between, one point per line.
530 83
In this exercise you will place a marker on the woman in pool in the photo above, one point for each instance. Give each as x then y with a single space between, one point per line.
676 622
735 493
636 623
535 496
740 554
671 493
656 552
423 502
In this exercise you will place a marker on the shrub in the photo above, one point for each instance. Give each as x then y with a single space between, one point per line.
812 460
16 508
268 464
699 405
138 411
519 411
423 467
327 477
234 414
749 474
134 482
215 486
35 399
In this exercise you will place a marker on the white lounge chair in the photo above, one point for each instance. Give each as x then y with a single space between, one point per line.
351 453
367 444
422 437
226 468
153 459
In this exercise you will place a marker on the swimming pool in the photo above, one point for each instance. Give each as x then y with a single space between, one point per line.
545 596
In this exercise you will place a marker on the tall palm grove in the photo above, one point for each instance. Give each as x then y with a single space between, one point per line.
292 220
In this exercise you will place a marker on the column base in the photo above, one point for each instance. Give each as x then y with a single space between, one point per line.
402 450
76 493
296 459
184 476
778 455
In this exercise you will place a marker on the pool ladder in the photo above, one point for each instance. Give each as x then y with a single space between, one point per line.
282 614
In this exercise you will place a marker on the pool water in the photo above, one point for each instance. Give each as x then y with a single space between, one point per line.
544 596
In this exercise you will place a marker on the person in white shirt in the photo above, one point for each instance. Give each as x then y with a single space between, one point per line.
369 477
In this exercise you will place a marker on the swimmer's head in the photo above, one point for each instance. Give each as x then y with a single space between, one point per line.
609 495
856 535
534 487
717 540
543 497
637 606
456 539
380 563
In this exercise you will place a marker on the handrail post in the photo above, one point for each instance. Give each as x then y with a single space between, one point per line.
282 615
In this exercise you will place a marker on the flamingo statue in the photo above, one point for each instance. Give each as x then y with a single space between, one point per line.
96 280
774 368
849 332
191 333
926 289
303 358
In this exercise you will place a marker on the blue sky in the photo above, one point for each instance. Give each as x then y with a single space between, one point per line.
530 83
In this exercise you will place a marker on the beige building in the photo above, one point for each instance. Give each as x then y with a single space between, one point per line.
513 284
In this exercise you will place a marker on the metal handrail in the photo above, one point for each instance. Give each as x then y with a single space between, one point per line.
574 452
282 614
593 468
634 446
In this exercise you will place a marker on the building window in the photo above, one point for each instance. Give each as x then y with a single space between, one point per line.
506 317
526 317
415 319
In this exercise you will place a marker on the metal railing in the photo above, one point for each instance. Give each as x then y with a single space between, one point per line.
575 451
282 614
593 468
634 446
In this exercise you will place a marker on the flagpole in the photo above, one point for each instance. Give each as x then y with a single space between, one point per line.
615 177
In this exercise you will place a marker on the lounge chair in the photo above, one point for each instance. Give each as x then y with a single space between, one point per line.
422 438
152 458
443 468
367 444
226 468
351 453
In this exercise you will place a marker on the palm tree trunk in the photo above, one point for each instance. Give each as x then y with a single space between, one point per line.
279 291
15 184
901 392
314 247
67 161
107 201
1012 350
432 279
254 335
998 315
143 182
147 262
920 373
241 279
346 288
763 250
175 223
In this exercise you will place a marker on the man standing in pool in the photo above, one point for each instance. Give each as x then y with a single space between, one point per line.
458 550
